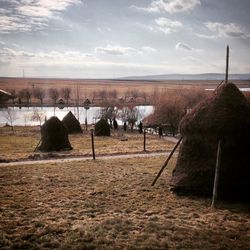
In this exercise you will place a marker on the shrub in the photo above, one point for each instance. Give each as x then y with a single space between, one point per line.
102 128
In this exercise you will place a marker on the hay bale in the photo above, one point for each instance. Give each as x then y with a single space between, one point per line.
102 128
54 136
225 115
72 124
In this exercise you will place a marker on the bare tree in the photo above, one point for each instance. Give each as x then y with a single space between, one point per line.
10 115
65 92
39 94
108 112
54 95
169 109
38 116
25 94
130 115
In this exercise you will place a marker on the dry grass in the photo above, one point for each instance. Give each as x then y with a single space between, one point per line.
110 205
21 144
88 86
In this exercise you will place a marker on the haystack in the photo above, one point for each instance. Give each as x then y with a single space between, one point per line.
226 116
72 124
102 128
54 136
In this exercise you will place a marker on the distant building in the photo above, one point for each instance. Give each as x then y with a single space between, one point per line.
4 96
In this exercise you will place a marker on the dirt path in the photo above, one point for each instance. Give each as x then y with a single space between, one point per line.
105 157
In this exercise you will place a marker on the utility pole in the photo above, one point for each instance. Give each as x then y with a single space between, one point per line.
77 104
227 62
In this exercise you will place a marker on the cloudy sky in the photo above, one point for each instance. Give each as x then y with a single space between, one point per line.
114 38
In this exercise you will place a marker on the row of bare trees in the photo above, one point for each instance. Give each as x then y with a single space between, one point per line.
40 94
25 95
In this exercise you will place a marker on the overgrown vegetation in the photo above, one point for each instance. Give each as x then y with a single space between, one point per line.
171 106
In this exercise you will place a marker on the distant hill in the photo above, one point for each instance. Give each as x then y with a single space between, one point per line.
208 76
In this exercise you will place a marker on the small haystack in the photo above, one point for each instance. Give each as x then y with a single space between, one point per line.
72 124
102 128
54 136
225 116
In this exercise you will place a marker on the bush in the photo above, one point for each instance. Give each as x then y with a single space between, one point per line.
102 128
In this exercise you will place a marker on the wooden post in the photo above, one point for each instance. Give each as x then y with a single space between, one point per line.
144 141
227 62
216 175
166 162
93 145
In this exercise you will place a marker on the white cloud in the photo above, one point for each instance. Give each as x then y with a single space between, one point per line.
183 46
167 25
53 56
170 6
123 51
149 49
27 15
226 30
116 50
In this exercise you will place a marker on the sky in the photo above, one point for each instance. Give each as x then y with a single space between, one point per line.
117 38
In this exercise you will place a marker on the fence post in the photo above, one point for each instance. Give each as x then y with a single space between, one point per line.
93 145
144 141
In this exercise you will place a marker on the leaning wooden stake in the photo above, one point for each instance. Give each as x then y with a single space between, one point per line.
216 175
166 162
37 145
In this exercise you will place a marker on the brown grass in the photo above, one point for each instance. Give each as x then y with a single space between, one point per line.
21 144
88 86
110 205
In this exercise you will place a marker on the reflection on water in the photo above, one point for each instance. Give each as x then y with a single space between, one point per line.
23 116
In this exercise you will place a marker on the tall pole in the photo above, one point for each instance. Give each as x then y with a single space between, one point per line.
227 62
77 93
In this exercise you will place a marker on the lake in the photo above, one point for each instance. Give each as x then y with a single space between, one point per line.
23 116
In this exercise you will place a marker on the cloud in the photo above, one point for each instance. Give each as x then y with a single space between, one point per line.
124 51
28 15
226 30
149 49
170 6
53 56
167 25
116 50
183 46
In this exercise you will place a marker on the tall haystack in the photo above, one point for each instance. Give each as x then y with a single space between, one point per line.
226 115
54 136
72 124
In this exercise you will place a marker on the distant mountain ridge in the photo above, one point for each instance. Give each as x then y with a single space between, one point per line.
208 76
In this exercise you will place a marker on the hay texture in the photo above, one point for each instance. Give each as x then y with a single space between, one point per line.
226 115
102 128
72 124
54 136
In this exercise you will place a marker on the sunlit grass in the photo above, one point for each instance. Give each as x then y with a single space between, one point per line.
110 204
21 144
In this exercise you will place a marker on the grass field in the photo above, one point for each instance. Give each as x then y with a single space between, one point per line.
21 144
109 204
